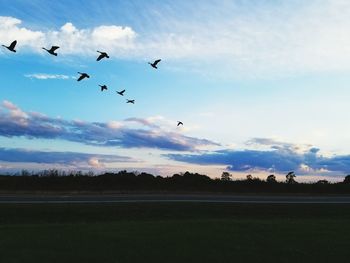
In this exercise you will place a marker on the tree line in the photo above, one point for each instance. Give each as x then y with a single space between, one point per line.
124 181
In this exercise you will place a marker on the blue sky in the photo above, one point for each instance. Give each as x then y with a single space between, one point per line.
259 86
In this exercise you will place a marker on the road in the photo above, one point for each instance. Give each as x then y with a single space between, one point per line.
162 198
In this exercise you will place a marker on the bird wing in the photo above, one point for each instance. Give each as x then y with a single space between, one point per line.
53 48
157 61
81 77
122 91
13 44
100 57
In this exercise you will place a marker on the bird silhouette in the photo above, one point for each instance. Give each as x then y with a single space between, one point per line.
82 76
121 93
103 87
179 123
103 55
52 50
12 46
154 64
130 101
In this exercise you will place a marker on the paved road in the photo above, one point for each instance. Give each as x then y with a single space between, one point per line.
129 198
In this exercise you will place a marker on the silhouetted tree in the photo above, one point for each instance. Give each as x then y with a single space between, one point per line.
249 177
25 173
195 177
226 176
347 179
290 178
146 178
271 178
90 173
322 182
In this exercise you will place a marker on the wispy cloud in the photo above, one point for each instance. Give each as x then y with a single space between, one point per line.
14 122
259 38
145 122
161 123
44 76
280 157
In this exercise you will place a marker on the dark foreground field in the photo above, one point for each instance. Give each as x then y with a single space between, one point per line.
174 232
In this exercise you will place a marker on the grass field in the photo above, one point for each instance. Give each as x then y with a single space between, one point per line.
174 232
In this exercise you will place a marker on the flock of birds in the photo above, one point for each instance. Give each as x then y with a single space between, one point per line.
83 75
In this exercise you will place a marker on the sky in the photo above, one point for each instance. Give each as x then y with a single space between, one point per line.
261 86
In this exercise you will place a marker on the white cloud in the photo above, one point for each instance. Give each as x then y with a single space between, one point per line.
10 30
44 76
94 162
114 39
9 105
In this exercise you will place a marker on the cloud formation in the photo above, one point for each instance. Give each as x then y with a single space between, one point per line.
259 40
279 157
14 122
60 158
116 39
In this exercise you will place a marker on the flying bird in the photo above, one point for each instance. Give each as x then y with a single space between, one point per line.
121 93
52 50
103 55
130 101
82 76
154 64
12 46
103 87
179 123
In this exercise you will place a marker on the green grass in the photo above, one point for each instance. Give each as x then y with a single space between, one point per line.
174 232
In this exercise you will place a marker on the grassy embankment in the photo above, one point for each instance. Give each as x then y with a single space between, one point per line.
174 233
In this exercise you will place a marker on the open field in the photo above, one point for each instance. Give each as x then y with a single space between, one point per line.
174 232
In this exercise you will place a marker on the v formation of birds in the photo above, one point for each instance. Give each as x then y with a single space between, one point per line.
83 75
